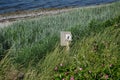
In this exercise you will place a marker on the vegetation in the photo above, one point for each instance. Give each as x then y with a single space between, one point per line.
95 56
30 49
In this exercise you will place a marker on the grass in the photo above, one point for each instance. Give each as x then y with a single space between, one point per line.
32 46
97 55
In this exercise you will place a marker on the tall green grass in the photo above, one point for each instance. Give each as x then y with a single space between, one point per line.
32 39
32 46
97 55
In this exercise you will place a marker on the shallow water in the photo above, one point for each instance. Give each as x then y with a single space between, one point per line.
17 5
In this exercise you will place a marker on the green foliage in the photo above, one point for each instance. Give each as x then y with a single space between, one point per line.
4 46
97 55
94 54
43 33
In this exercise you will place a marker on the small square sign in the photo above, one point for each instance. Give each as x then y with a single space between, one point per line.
65 38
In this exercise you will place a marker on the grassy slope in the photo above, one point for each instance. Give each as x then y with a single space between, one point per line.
102 60
28 42
98 55
32 39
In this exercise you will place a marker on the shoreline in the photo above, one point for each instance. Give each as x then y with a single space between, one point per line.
12 16
6 20
30 14
9 18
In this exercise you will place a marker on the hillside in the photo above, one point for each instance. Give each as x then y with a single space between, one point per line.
30 49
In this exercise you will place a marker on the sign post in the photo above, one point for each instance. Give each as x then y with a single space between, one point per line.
66 38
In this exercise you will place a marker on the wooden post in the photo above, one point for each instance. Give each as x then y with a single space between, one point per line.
68 46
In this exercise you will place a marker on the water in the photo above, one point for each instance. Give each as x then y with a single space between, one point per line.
17 5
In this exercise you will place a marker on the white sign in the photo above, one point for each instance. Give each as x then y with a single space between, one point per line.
66 37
